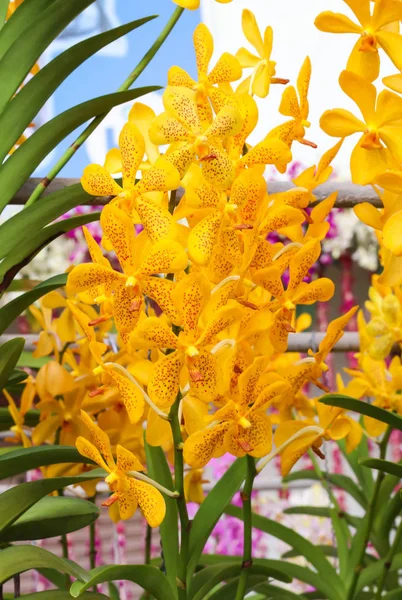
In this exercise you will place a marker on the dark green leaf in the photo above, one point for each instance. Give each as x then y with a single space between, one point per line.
25 459
149 578
373 573
363 408
62 595
112 591
16 377
35 217
10 311
158 469
31 418
385 519
18 559
24 253
20 20
16 500
338 480
25 51
289 536
271 591
211 510
383 465
21 110
218 573
228 591
51 517
9 355
27 157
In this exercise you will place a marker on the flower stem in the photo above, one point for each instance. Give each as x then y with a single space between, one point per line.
369 519
69 153
181 501
388 561
155 484
248 530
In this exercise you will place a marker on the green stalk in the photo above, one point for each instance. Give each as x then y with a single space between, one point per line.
388 561
69 153
181 501
248 530
369 518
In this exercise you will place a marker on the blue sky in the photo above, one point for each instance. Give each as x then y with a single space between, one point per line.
103 74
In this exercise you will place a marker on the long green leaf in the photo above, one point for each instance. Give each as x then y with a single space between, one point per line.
316 580
272 592
387 513
363 476
27 157
20 20
146 576
16 500
363 408
9 355
10 311
63 595
219 573
228 591
383 465
51 517
322 511
35 217
21 110
338 480
25 51
341 532
158 469
289 536
211 510
3 12
373 573
24 253
25 459
18 559
31 418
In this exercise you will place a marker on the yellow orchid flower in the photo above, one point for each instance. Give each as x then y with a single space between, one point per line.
297 292
128 491
181 126
116 423
191 347
380 144
296 107
59 419
163 176
333 426
372 31
18 413
263 68
194 4
394 82
239 428
126 289
226 69
385 326
49 341
193 481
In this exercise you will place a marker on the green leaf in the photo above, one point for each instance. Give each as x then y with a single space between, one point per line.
27 360
304 574
296 541
385 519
62 595
112 591
228 591
322 511
16 377
327 550
383 465
211 510
27 157
363 408
158 469
21 110
373 573
9 355
338 480
212 576
51 517
3 12
20 20
146 576
271 591
18 499
31 419
363 476
18 559
25 51
25 459
35 217
10 311
18 258
341 532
